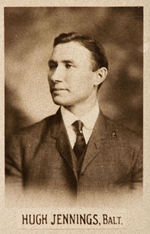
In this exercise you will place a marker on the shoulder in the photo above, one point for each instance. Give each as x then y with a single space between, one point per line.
37 130
38 126
123 133
28 139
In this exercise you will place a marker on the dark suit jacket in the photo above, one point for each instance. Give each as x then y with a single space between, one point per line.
40 158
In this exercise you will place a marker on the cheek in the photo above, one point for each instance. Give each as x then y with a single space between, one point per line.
78 85
73 79
79 81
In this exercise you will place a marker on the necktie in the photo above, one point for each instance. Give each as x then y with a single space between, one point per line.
80 144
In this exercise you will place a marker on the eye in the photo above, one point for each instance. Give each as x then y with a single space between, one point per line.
52 65
68 65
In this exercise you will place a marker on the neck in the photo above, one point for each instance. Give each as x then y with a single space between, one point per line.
83 107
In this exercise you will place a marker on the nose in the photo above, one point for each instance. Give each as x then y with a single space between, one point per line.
56 75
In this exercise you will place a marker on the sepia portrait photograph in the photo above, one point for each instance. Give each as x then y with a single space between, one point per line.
73 106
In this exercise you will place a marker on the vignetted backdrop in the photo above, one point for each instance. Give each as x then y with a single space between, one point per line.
29 35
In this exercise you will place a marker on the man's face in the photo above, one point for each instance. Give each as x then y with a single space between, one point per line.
70 75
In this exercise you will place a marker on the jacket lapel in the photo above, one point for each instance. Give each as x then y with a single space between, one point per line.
58 131
96 140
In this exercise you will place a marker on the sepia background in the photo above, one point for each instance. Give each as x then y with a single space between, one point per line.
29 35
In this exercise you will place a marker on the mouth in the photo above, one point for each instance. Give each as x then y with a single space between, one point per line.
55 90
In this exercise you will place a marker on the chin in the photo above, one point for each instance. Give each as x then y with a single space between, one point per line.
61 102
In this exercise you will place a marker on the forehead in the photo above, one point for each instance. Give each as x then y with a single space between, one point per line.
71 51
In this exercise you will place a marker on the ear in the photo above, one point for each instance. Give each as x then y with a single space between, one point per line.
100 75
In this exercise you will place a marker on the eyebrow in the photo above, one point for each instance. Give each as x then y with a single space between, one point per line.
51 62
55 62
67 61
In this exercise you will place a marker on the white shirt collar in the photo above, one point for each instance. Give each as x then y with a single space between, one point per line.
88 118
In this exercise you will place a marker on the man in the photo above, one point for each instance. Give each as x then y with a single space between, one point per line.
77 151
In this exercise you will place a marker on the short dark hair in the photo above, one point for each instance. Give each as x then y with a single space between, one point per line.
96 49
